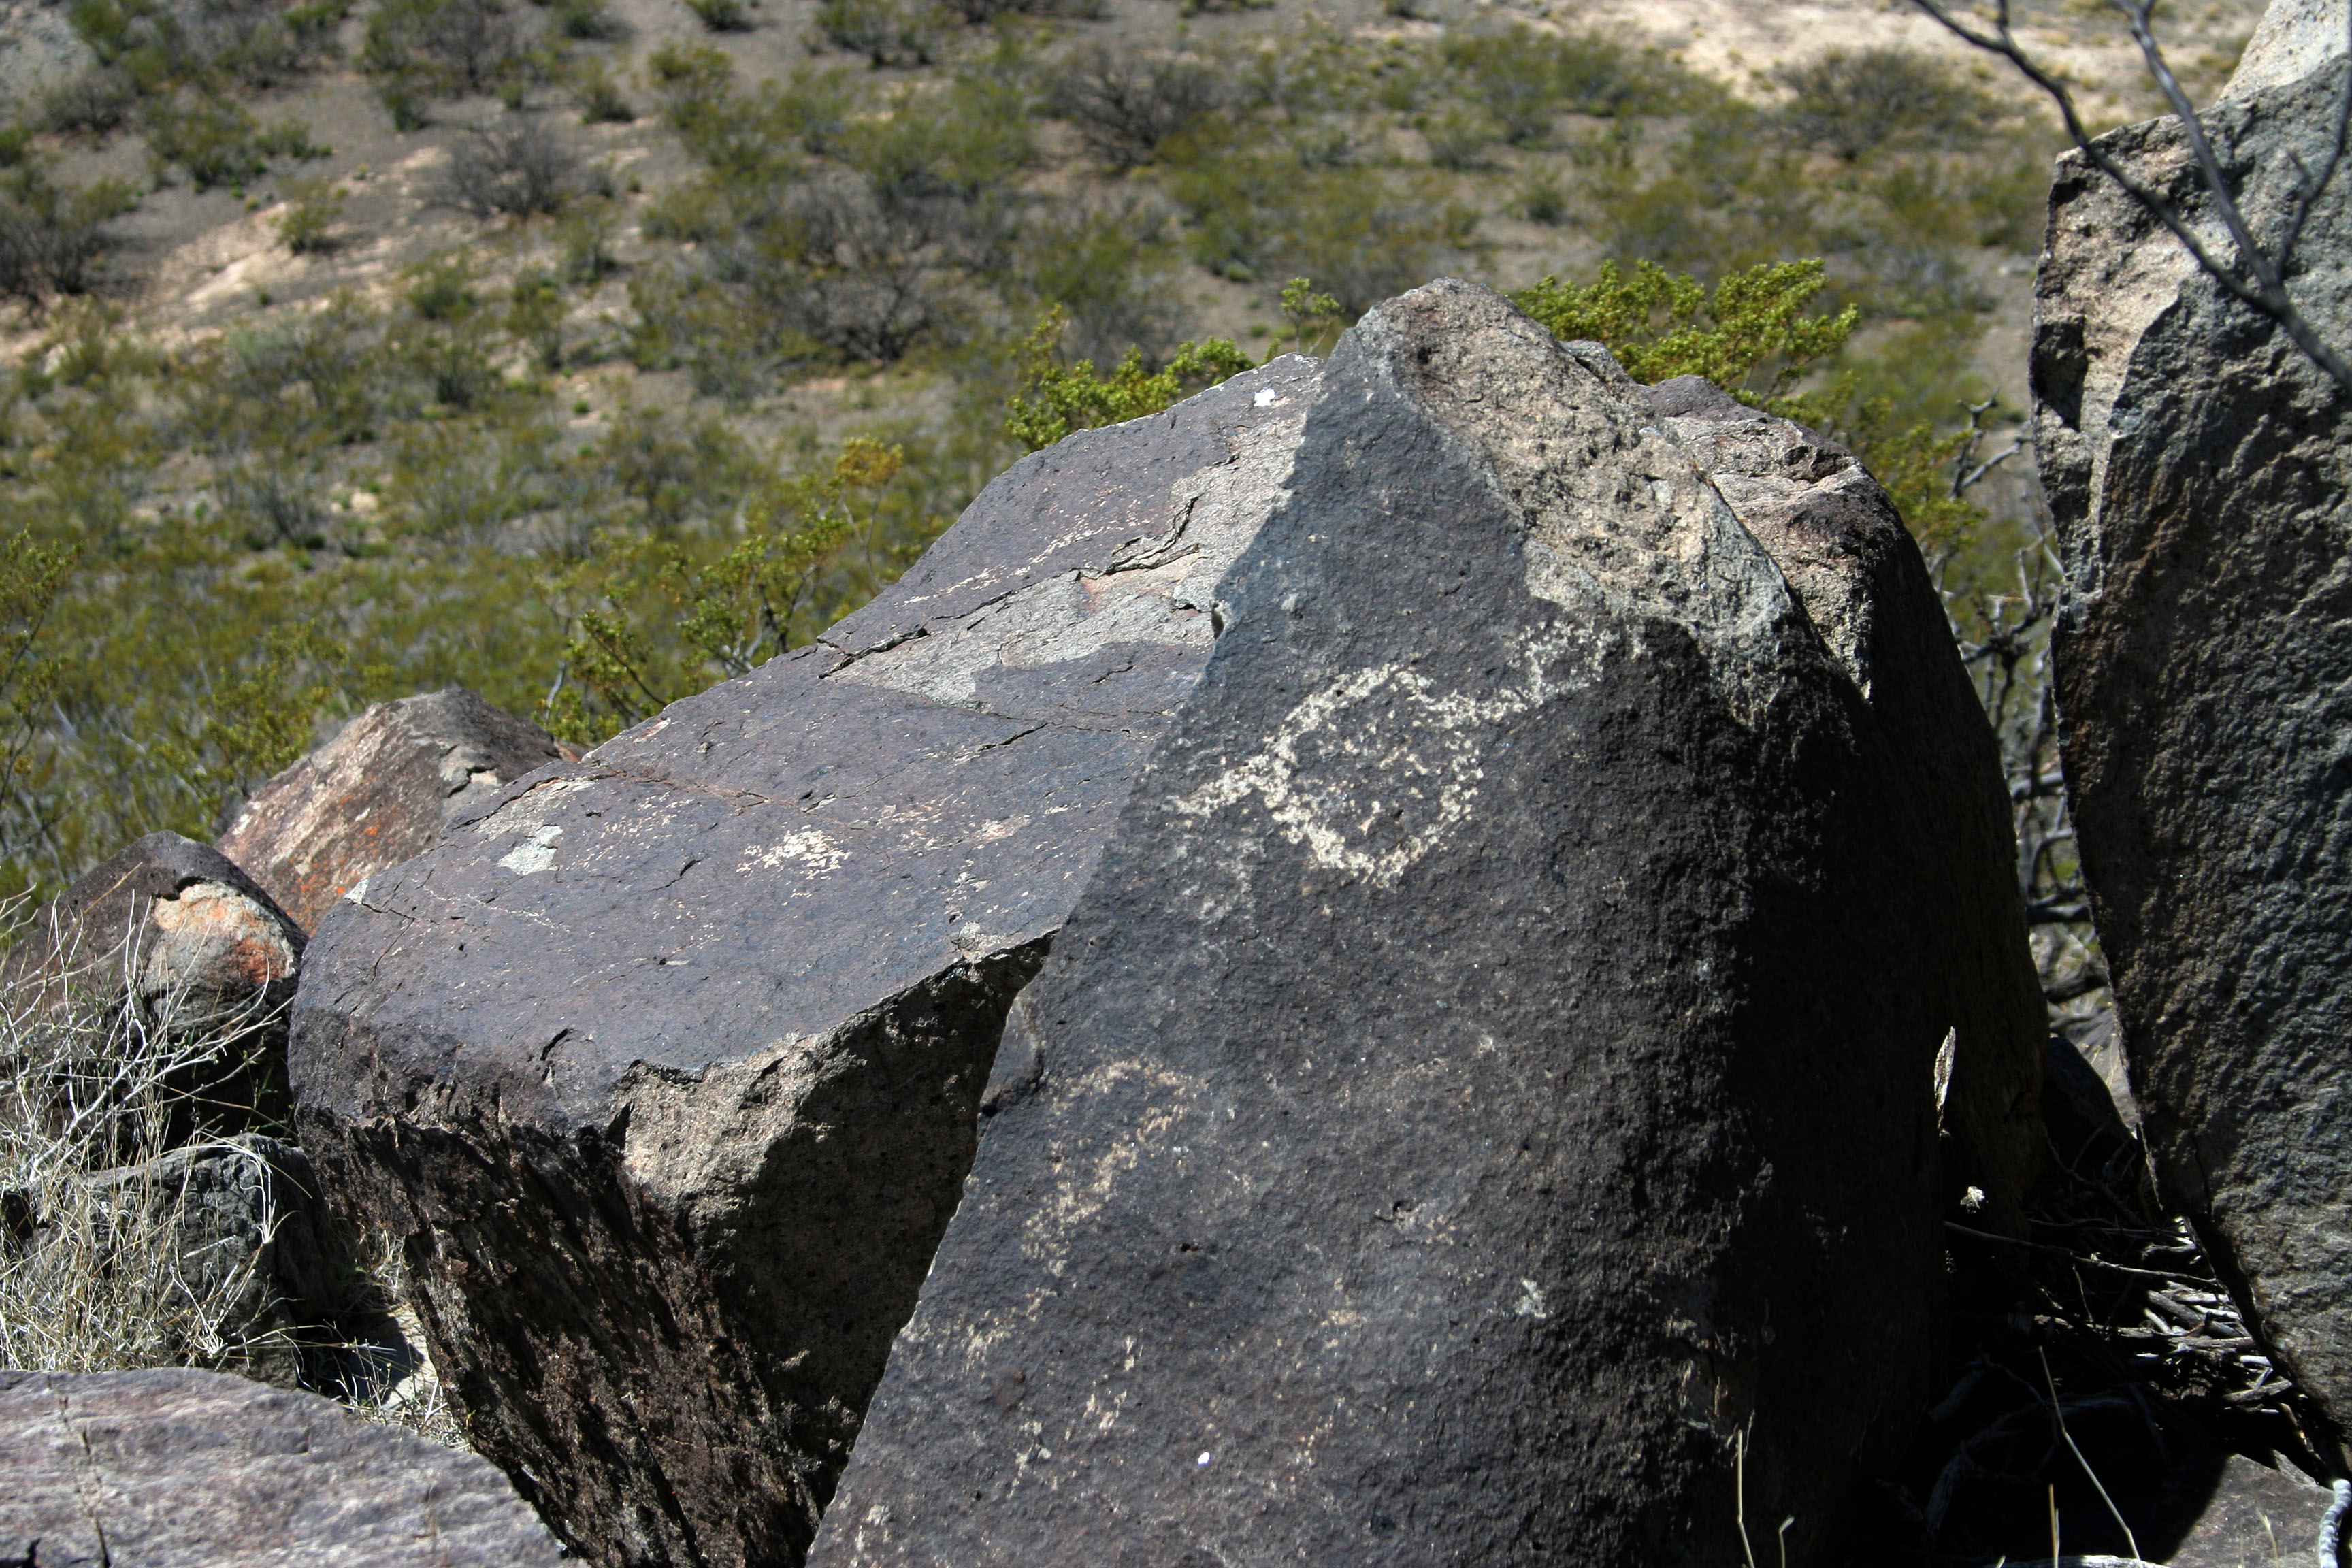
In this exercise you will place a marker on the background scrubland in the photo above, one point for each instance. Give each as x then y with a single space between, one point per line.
586 353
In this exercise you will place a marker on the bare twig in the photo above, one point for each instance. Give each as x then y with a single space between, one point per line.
2257 279
2058 1415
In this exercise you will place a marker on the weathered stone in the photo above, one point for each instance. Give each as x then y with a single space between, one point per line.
206 949
1836 538
174 1469
2200 468
379 793
667 1062
1488 1085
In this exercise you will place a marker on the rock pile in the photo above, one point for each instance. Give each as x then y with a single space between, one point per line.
2200 471
668 1060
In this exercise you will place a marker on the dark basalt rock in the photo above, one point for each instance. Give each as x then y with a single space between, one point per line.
667 1062
174 1469
207 954
379 793
1483 1108
2200 468
1836 538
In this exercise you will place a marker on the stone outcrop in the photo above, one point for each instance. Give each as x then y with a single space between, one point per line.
204 950
1484 1108
174 1469
667 1061
2200 468
379 793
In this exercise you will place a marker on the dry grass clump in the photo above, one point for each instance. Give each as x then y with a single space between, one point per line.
103 1265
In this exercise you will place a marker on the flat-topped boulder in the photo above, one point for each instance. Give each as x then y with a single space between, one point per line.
1484 1107
176 1468
667 1061
379 793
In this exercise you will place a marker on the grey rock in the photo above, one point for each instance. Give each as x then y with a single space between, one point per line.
2296 38
176 1468
380 792
667 1062
203 951
1489 1087
2199 468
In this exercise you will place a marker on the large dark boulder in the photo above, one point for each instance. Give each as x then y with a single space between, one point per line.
174 1469
379 793
667 1062
2200 468
1484 1107
169 938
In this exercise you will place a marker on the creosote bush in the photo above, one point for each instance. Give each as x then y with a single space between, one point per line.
1055 397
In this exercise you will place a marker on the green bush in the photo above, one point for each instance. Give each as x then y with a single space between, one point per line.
53 237
600 98
217 143
887 32
312 206
1523 79
722 15
423 49
1055 397
1858 101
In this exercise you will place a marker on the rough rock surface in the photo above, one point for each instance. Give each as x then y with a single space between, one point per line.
669 1062
1847 555
379 793
1490 1080
206 950
174 1468
2200 472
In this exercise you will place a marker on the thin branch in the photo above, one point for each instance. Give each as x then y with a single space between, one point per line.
2267 293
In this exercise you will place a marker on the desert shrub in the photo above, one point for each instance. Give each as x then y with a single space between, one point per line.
90 102
655 616
217 143
312 206
887 32
600 98
588 21
1055 396
421 49
1126 103
54 237
150 46
1458 137
872 272
1856 101
519 166
967 143
586 233
1109 267
722 15
1522 78
1660 326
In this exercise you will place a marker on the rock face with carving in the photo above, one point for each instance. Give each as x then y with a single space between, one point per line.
669 1062
379 793
2200 471
207 954
1483 1107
